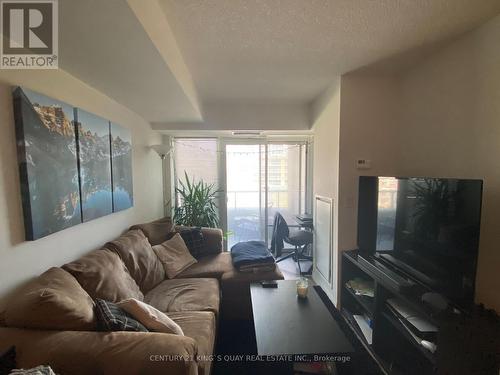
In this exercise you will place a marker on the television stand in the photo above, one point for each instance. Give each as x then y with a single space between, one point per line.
384 274
395 344
406 268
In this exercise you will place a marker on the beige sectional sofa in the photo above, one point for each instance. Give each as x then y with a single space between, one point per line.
51 320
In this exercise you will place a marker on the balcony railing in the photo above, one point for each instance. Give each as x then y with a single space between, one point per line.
246 214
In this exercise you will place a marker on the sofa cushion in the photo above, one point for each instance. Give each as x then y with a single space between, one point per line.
152 318
185 295
157 231
236 277
199 325
111 317
53 300
174 256
99 353
212 266
141 261
103 275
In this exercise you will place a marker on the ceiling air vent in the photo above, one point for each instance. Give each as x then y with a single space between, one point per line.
246 133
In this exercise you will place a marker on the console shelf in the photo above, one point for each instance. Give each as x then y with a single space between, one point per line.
399 326
393 346
367 303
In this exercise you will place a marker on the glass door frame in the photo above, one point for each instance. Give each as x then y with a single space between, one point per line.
304 141
223 143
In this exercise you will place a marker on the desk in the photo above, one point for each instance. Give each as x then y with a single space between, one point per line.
308 223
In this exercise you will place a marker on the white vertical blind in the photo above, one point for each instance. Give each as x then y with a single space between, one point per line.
198 158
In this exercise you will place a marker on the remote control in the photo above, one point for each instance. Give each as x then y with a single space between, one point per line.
269 284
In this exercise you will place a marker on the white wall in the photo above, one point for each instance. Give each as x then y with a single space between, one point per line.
19 260
369 129
440 118
326 124
451 107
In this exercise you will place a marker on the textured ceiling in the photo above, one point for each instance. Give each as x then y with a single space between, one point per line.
292 49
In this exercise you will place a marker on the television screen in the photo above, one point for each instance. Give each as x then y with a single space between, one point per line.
427 226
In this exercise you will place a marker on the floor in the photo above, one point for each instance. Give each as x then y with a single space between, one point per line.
290 269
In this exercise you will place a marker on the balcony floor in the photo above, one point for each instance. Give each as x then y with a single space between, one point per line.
290 269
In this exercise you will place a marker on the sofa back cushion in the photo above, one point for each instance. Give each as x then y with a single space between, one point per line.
141 261
157 231
54 300
103 275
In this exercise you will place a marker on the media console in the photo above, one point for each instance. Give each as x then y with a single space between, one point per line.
385 275
387 313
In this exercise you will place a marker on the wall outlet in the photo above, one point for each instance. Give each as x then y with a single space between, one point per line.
363 164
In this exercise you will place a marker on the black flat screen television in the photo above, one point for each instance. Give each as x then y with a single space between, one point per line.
425 227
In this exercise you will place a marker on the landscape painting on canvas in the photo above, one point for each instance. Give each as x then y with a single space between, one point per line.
121 151
95 165
48 163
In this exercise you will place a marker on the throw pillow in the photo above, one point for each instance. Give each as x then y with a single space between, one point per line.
111 317
153 319
53 300
8 360
174 255
193 237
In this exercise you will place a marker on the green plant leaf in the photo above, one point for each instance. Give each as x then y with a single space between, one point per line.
196 204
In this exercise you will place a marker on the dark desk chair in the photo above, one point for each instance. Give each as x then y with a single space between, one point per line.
299 238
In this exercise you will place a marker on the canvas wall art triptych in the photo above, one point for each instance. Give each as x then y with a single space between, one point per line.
74 166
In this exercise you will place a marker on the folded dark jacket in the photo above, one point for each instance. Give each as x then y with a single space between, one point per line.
251 253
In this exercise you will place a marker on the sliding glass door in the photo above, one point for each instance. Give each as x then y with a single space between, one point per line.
262 178
255 177
286 182
245 191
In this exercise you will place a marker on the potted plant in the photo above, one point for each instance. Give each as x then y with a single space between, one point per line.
196 204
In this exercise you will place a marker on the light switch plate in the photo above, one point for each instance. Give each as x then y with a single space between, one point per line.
363 164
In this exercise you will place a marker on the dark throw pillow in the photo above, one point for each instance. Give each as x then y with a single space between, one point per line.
8 361
194 240
110 318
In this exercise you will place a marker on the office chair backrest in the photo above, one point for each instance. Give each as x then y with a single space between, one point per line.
281 225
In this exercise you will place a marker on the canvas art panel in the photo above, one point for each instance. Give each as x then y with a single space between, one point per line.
74 166
47 155
121 151
95 165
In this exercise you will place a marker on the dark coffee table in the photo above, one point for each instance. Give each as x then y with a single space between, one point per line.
287 325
